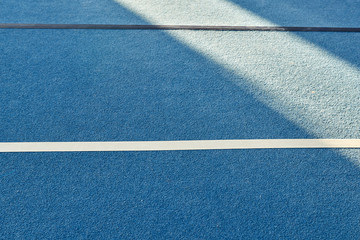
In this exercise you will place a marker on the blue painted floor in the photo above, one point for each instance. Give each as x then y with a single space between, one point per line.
132 85
229 194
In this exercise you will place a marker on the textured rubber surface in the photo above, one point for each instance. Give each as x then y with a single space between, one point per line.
82 85
250 194
316 13
76 85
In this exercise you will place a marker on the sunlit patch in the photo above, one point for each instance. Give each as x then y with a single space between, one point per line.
280 69
208 12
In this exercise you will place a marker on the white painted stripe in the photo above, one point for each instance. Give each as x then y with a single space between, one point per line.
176 145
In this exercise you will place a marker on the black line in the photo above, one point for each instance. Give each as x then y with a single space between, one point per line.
175 27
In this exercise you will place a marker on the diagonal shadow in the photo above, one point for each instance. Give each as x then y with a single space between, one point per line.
336 13
143 85
297 78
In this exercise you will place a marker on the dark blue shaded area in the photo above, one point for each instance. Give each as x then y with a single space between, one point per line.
318 13
247 194
76 85
66 11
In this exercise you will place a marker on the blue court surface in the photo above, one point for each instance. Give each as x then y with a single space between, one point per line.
77 85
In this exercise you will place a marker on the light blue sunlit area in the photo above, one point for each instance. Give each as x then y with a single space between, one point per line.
87 85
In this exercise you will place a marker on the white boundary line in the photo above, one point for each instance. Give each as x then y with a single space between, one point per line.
176 145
